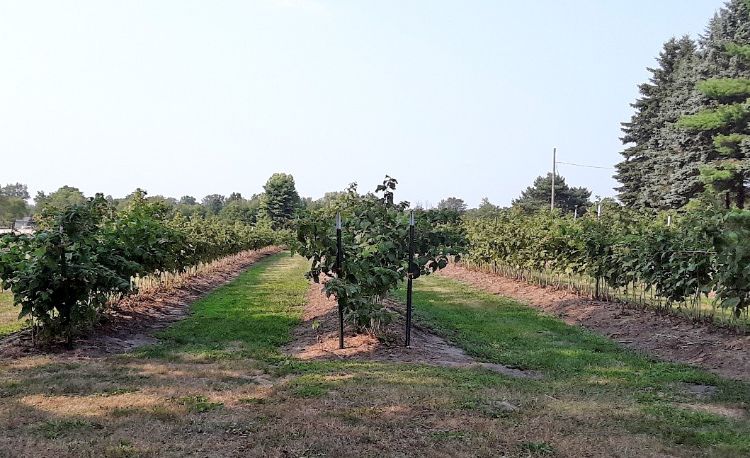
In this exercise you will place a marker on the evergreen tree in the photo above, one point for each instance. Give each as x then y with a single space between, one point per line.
537 197
726 113
659 170
280 201
485 209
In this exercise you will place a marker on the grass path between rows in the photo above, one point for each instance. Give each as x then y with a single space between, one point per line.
9 322
681 405
218 385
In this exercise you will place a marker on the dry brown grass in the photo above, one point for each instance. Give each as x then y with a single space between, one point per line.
130 406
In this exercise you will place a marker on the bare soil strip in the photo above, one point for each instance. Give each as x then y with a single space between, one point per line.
132 321
317 338
667 337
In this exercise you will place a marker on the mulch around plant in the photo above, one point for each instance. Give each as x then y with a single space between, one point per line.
317 338
132 321
664 336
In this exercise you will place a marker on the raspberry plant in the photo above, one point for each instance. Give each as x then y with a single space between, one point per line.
375 249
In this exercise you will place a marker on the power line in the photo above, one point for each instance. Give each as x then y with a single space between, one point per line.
589 166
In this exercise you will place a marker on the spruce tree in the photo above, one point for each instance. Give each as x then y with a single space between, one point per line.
659 168
538 196
726 114
280 202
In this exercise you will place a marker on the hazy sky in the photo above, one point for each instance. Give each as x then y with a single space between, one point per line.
463 98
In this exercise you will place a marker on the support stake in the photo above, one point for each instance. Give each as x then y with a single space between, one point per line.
409 279
338 274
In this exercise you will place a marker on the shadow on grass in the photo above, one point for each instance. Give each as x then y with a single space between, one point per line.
580 365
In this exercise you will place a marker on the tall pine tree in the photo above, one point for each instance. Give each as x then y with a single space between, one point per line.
659 170
691 127
538 196
726 115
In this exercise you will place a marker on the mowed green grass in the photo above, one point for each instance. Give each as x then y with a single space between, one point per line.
9 321
638 394
218 385
580 366
249 318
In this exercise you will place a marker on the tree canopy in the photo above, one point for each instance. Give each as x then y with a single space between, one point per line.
537 197
13 203
452 203
65 197
688 135
280 202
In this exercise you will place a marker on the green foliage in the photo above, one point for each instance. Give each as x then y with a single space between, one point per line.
537 197
732 276
213 203
64 197
240 209
11 209
13 203
700 254
85 254
725 62
280 202
188 200
729 145
725 88
697 91
721 117
659 167
375 248
485 209
56 275
452 203
741 51
17 190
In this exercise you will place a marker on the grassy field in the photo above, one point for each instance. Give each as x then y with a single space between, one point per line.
217 385
9 321
605 385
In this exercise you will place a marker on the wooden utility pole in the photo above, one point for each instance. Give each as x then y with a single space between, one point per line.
554 172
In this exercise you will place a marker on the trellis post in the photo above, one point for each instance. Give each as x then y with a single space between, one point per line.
409 278
338 274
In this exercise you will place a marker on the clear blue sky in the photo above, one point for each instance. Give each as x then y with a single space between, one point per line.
463 98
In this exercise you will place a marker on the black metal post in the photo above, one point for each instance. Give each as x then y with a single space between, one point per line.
409 280
338 273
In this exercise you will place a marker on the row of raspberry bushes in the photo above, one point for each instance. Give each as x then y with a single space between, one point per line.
696 255
84 256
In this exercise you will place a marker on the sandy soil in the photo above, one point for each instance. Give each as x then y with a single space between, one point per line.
667 337
132 321
317 338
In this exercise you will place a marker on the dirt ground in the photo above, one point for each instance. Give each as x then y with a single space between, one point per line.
666 337
132 321
317 338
